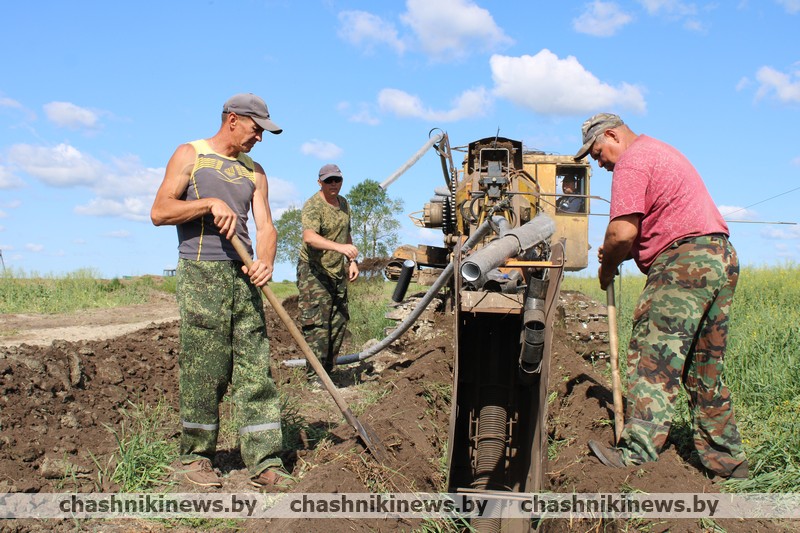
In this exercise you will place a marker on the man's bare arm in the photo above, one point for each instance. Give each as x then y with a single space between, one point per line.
266 242
169 209
620 234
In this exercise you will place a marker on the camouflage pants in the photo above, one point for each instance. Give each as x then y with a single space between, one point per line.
224 340
679 335
323 312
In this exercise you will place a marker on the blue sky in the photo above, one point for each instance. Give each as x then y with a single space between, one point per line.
95 96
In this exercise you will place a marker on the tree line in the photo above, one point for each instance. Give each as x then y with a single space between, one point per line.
372 219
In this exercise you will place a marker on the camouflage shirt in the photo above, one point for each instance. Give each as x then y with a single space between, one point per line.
330 222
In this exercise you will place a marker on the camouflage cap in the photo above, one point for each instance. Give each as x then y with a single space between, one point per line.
595 126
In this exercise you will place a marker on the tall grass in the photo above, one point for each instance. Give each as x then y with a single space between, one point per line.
762 367
82 289
763 370
144 450
283 289
368 301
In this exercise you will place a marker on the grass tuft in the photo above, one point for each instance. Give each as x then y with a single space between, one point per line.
144 454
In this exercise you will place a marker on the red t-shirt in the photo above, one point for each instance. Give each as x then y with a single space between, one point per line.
655 180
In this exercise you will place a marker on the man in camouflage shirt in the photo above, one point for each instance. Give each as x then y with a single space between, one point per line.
663 217
327 263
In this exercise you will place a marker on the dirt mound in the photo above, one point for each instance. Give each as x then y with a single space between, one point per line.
60 401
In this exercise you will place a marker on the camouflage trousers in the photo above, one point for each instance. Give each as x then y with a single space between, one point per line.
223 339
680 329
323 312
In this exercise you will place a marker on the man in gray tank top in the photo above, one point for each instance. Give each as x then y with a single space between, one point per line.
210 186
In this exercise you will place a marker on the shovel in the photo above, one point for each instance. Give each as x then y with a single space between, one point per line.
367 434
616 380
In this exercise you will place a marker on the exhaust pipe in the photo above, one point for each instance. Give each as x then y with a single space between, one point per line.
512 243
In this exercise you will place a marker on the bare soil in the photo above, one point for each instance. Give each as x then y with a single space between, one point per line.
65 380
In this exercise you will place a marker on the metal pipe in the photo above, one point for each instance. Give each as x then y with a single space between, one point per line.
440 282
513 243
534 321
408 164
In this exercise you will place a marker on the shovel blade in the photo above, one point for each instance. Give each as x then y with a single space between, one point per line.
371 441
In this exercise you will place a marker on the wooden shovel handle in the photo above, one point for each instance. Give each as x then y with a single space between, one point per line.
616 380
297 336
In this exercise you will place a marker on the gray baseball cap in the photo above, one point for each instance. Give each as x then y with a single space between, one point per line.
250 105
593 128
329 170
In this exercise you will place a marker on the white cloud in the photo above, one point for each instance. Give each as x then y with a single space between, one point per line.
695 25
283 193
549 85
130 208
366 30
449 29
791 6
601 19
362 114
781 232
743 83
8 180
736 212
321 149
9 102
427 236
470 103
796 161
668 7
3 214
36 248
786 87
60 166
68 115
675 10
442 29
124 188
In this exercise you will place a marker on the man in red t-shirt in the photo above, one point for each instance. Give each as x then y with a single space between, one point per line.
663 218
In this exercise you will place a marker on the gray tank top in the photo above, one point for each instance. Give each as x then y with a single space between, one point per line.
229 179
